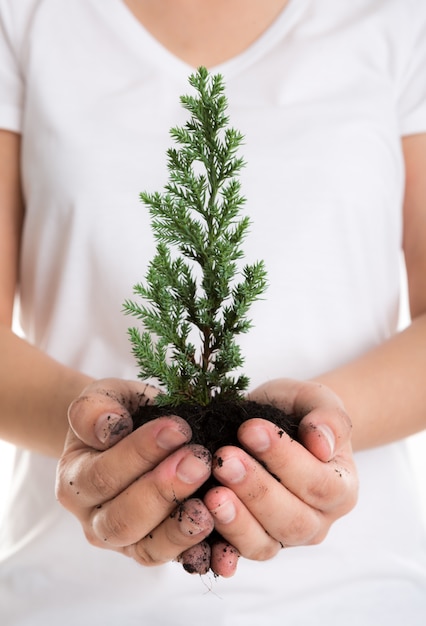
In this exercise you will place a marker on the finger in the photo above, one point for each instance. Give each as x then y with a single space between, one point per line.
92 478
196 560
145 503
326 487
325 432
324 426
179 537
284 516
224 559
101 415
241 530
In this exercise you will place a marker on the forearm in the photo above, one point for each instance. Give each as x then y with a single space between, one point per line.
35 392
384 391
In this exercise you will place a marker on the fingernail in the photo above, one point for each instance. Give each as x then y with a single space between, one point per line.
225 513
111 427
328 435
170 438
192 469
232 470
257 439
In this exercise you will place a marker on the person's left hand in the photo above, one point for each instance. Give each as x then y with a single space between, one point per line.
278 492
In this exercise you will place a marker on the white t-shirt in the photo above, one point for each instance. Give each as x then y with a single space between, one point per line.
323 98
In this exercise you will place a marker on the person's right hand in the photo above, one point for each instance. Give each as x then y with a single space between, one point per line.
131 489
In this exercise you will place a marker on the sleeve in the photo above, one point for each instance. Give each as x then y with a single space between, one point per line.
412 84
11 81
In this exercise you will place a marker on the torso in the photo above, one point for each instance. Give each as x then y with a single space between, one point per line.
209 32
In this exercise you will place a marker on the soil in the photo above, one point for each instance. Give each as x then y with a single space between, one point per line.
214 426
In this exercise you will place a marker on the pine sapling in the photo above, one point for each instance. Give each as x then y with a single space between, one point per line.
194 302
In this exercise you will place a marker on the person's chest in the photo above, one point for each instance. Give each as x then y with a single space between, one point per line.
206 33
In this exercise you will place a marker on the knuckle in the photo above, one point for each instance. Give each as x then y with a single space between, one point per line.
93 539
348 500
301 529
110 527
163 494
142 452
142 555
101 482
337 490
265 552
144 552
319 491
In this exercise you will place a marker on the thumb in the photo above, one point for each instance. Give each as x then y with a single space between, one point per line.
102 414
325 432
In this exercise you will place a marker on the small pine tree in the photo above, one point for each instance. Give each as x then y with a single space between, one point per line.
193 286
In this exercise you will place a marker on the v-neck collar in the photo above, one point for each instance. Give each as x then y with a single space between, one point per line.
142 40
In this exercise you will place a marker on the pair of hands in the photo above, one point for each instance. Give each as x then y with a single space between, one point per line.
131 490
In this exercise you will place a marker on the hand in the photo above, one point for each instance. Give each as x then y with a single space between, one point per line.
131 490
278 492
